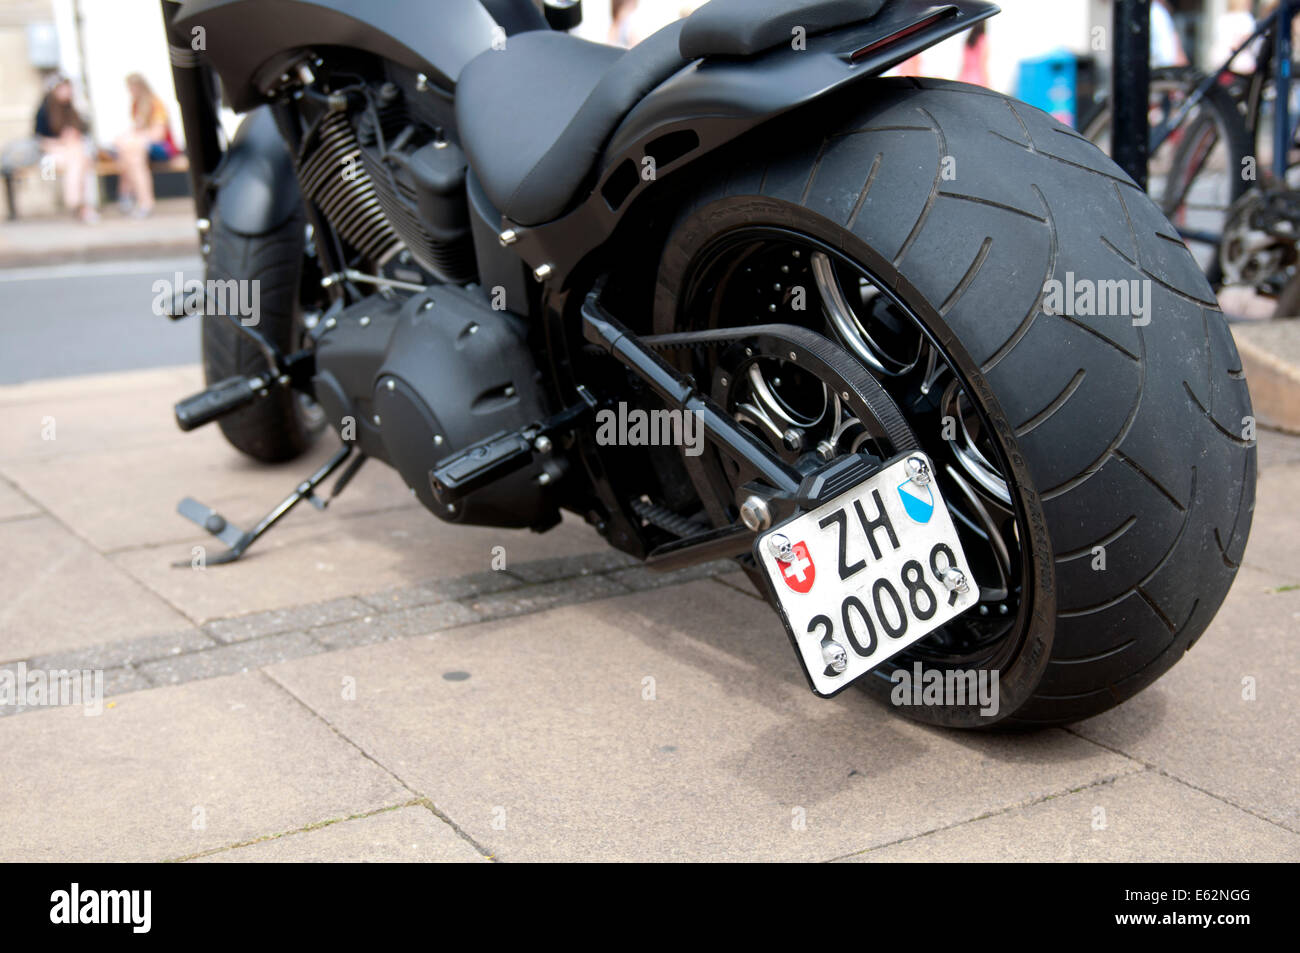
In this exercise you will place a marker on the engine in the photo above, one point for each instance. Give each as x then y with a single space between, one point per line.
413 380
391 183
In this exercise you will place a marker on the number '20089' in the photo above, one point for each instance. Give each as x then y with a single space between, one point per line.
857 622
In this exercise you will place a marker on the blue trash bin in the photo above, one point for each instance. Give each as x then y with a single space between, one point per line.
1049 82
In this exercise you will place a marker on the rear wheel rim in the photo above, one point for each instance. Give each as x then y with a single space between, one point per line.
751 276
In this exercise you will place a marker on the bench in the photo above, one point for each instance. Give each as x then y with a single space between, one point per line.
23 159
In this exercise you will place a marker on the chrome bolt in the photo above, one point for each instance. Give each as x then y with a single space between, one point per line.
330 323
793 356
390 384
826 450
918 471
793 439
955 580
437 440
542 444
723 381
836 658
542 272
755 514
543 479
203 225
984 610
421 82
508 237
844 395
365 321
779 546
376 419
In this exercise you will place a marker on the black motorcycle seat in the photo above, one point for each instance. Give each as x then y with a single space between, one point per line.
534 116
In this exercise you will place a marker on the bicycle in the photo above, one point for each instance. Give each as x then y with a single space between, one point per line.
1236 212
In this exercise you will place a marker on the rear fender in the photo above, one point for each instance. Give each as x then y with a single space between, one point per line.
713 101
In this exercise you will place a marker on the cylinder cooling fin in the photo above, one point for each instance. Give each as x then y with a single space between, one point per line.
334 176
389 183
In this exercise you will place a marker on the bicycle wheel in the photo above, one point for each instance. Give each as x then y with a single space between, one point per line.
1199 171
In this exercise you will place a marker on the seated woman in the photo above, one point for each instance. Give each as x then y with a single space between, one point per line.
62 135
148 140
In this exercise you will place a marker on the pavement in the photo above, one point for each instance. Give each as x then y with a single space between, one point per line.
46 240
372 684
1270 356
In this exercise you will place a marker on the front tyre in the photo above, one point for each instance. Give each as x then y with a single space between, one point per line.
282 425
1094 460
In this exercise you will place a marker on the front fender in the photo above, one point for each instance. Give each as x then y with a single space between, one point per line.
256 185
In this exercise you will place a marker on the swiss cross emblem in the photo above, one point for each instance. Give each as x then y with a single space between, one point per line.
800 571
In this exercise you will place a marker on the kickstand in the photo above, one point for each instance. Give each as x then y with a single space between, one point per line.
238 540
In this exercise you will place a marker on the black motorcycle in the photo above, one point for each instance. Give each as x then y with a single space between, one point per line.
922 359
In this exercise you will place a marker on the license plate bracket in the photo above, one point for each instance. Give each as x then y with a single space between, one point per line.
868 573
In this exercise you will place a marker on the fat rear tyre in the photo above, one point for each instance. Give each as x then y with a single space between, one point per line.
1132 482
281 426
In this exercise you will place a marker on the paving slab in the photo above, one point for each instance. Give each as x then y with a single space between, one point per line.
173 772
404 623
1274 545
100 385
665 725
1277 449
405 835
228 659
329 557
1200 724
102 412
56 593
310 616
126 497
1270 357
1138 818
13 504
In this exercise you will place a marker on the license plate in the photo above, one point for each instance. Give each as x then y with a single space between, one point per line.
867 574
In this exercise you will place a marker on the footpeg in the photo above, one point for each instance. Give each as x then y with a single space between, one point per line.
485 462
238 540
223 397
502 454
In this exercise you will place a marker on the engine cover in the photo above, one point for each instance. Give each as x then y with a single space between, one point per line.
413 381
